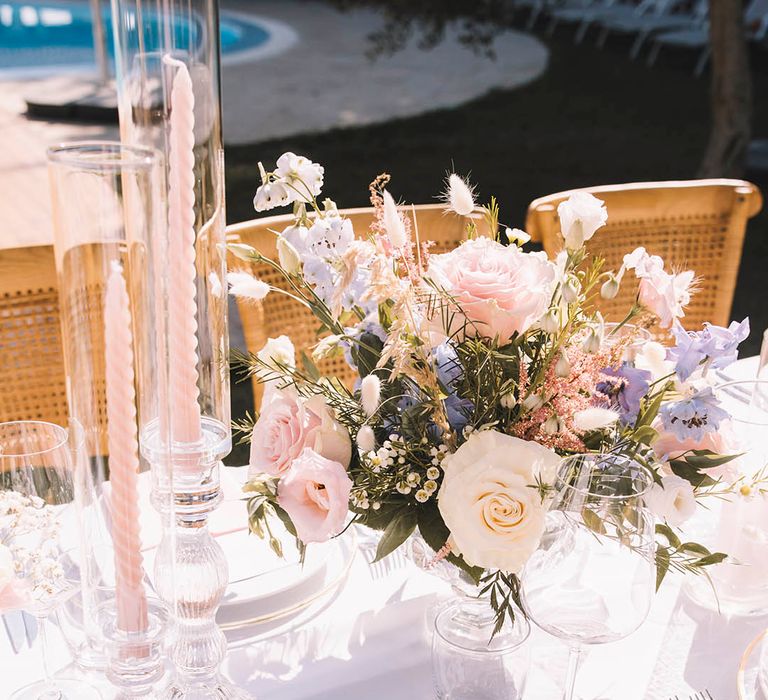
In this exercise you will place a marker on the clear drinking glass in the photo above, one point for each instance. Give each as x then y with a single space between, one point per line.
592 579
467 664
36 490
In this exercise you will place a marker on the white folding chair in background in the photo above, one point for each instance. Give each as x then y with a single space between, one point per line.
697 37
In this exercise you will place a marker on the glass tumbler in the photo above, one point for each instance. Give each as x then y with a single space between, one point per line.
467 664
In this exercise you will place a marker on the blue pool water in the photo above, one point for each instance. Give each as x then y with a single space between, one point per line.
59 34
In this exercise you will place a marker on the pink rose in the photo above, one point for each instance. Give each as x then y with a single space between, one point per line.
287 424
501 289
315 494
722 441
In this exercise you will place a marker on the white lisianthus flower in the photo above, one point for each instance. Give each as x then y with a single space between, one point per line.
665 294
289 257
278 353
370 394
673 501
242 251
271 195
495 518
459 195
303 178
517 236
652 357
246 286
580 216
366 439
594 419
393 223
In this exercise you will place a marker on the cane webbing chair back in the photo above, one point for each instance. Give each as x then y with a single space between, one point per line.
694 225
32 380
281 315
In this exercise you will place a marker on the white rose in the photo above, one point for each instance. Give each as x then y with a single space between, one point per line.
673 501
496 519
580 216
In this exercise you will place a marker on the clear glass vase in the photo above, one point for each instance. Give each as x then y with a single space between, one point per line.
109 214
167 66
469 662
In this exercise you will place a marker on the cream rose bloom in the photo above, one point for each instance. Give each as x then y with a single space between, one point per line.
496 519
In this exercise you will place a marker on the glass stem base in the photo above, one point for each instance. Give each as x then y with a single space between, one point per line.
191 576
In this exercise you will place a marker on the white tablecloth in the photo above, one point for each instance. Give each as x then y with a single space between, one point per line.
371 641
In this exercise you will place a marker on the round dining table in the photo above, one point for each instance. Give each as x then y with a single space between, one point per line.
370 638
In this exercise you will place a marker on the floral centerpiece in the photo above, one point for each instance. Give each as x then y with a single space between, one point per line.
478 370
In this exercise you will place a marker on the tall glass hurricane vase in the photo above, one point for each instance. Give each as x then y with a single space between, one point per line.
167 64
592 579
109 215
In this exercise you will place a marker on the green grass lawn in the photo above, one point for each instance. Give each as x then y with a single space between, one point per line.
594 117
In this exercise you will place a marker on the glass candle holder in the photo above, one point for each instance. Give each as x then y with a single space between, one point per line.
739 585
136 665
167 68
109 214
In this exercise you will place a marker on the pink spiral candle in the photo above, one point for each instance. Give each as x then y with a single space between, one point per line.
182 309
123 456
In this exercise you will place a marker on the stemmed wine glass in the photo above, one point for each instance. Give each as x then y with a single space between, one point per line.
592 579
36 487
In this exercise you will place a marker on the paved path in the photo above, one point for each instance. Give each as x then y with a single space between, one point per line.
318 79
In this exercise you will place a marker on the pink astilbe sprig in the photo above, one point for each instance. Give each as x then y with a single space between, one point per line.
564 397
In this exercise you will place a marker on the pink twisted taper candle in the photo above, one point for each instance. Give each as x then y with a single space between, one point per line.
123 456
182 308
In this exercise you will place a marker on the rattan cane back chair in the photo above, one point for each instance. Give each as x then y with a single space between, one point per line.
694 225
32 380
281 315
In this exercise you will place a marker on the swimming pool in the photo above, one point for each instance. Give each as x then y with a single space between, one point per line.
39 36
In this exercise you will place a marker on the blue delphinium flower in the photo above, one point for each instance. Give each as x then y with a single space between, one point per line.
625 390
693 417
714 344
449 373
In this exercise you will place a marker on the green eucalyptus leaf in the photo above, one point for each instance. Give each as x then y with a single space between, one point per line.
662 565
398 531
593 521
704 459
711 559
667 532
690 473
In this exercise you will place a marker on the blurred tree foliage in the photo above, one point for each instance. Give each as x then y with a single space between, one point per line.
477 22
